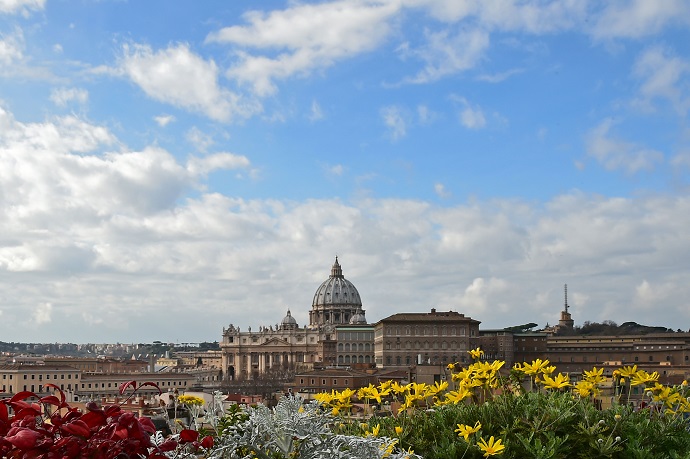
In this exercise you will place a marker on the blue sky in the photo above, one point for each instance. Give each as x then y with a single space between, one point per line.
161 161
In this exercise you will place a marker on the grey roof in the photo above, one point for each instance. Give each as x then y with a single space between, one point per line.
336 290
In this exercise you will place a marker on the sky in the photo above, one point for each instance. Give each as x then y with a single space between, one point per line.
170 168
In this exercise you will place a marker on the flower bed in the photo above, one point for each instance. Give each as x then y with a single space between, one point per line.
532 413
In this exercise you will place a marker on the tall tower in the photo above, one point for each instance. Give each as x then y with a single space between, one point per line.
566 320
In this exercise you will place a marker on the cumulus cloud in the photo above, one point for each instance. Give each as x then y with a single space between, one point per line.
305 36
394 119
471 116
315 113
615 154
441 191
446 52
164 120
11 47
638 18
202 166
178 76
63 96
43 313
23 7
663 76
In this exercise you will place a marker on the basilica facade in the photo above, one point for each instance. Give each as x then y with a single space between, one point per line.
336 305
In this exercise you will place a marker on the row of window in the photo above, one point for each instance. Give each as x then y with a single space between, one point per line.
323 381
346 359
420 330
355 336
362 347
41 376
425 345
434 359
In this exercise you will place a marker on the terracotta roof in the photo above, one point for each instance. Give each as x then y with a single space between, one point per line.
429 317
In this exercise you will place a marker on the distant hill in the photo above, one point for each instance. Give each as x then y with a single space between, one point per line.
609 327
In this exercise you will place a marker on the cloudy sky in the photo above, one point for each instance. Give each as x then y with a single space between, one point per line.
167 169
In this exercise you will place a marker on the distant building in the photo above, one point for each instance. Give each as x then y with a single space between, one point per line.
432 338
326 380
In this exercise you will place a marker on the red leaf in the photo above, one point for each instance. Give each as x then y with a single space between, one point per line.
50 399
168 445
153 384
93 418
4 416
188 435
124 386
23 395
62 393
112 410
147 425
24 439
207 442
76 427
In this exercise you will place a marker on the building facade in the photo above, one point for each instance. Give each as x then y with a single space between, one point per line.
432 338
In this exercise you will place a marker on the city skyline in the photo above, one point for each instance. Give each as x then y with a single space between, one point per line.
182 168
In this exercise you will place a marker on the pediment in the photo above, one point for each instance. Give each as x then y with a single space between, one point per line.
275 342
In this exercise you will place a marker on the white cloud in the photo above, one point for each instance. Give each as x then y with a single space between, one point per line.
202 166
499 77
472 117
663 76
63 96
447 53
179 77
200 140
164 120
11 47
441 191
425 114
302 38
23 7
336 169
393 118
43 313
615 154
681 159
638 18
316 113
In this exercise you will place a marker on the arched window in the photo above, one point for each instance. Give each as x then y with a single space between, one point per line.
347 359
340 347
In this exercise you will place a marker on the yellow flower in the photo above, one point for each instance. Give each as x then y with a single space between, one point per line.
398 430
642 377
476 353
190 400
535 367
491 448
595 376
465 431
627 372
375 430
559 382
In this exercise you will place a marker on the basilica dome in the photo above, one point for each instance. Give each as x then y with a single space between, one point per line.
336 290
336 300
